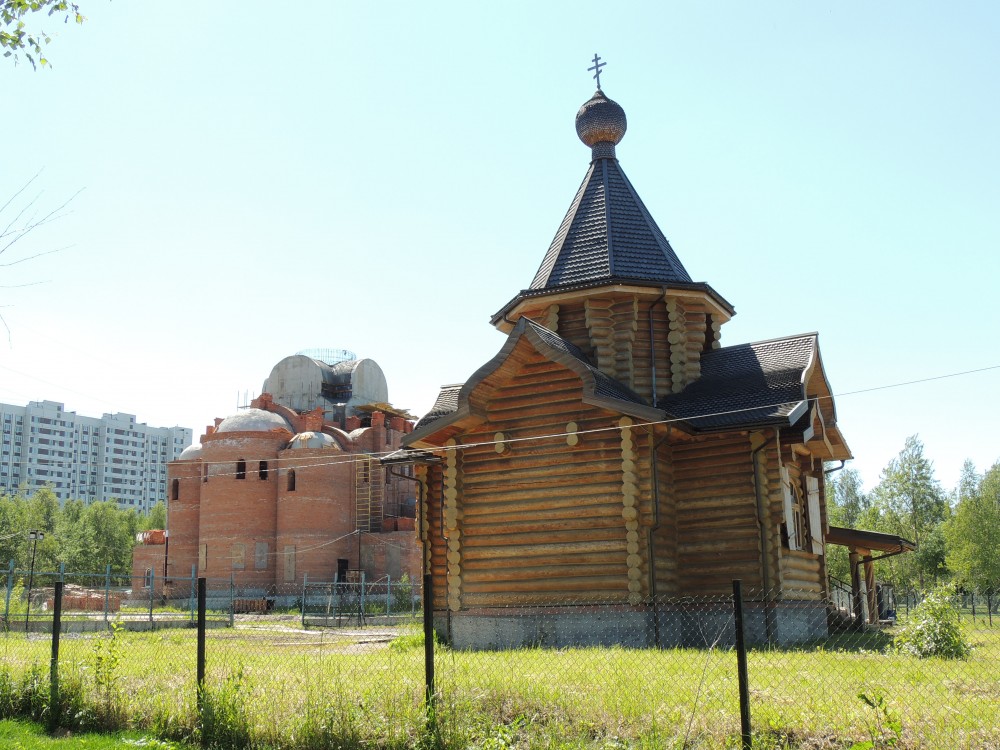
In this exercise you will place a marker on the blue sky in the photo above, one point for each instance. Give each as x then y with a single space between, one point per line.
383 177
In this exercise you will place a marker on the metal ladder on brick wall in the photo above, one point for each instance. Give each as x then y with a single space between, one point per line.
368 493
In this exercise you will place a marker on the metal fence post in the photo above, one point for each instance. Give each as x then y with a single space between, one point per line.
107 592
200 674
305 581
428 642
54 667
741 666
361 600
388 598
232 600
10 589
152 588
191 590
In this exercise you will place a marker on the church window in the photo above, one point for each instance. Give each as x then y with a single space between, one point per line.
239 556
794 529
262 470
174 489
291 480
241 469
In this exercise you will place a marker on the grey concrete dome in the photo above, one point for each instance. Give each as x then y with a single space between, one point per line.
312 440
190 453
253 420
601 120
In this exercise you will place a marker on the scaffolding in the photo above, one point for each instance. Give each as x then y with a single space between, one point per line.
368 493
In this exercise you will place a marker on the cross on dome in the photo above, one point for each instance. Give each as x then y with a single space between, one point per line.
597 69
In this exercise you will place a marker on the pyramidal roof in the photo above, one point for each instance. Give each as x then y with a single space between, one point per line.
608 234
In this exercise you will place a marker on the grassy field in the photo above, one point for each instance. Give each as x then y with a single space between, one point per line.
275 686
20 735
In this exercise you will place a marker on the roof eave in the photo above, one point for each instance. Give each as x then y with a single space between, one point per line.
418 436
502 318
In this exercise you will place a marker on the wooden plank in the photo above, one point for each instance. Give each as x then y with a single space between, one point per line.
556 585
570 548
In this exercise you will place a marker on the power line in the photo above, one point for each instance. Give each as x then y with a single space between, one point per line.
353 457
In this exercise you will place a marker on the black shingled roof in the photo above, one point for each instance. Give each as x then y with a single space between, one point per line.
746 385
446 403
606 234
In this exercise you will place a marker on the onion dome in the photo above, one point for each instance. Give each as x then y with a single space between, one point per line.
601 124
254 420
312 440
190 453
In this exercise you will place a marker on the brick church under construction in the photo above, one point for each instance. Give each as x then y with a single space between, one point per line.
290 489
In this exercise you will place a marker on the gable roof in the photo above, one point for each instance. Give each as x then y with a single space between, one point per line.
749 385
452 403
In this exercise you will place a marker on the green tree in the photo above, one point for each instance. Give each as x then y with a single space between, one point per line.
13 529
103 535
844 489
155 519
909 502
15 36
973 535
845 504
968 482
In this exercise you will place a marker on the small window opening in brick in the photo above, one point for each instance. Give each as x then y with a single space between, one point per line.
241 469
174 489
262 470
291 480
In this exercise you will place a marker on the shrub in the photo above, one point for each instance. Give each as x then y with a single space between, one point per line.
933 628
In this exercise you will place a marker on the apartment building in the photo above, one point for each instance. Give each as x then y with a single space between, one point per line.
88 458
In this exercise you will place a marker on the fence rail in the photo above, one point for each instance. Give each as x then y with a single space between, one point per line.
765 669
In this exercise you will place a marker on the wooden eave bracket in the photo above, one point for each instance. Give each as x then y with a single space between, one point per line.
507 318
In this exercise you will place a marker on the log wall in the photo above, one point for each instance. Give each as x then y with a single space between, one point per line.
800 573
664 528
558 519
614 333
718 537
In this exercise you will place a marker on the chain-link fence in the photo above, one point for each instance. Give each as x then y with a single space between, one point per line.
332 665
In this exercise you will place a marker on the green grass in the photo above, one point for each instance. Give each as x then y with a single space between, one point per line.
279 688
20 735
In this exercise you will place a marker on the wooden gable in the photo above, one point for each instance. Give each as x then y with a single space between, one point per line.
543 494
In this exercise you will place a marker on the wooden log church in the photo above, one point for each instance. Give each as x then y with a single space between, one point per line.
615 453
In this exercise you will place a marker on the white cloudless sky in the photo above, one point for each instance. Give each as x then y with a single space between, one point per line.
383 177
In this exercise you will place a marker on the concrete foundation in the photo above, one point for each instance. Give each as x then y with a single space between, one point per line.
664 626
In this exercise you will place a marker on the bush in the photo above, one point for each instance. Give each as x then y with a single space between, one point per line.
933 628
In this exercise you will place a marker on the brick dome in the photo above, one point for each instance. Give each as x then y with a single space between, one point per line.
190 453
312 440
253 420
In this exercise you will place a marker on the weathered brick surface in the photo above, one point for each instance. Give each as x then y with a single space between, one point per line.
265 533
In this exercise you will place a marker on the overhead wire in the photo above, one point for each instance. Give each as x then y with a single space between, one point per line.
292 462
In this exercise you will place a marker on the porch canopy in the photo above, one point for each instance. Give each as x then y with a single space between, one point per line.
861 544
865 542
